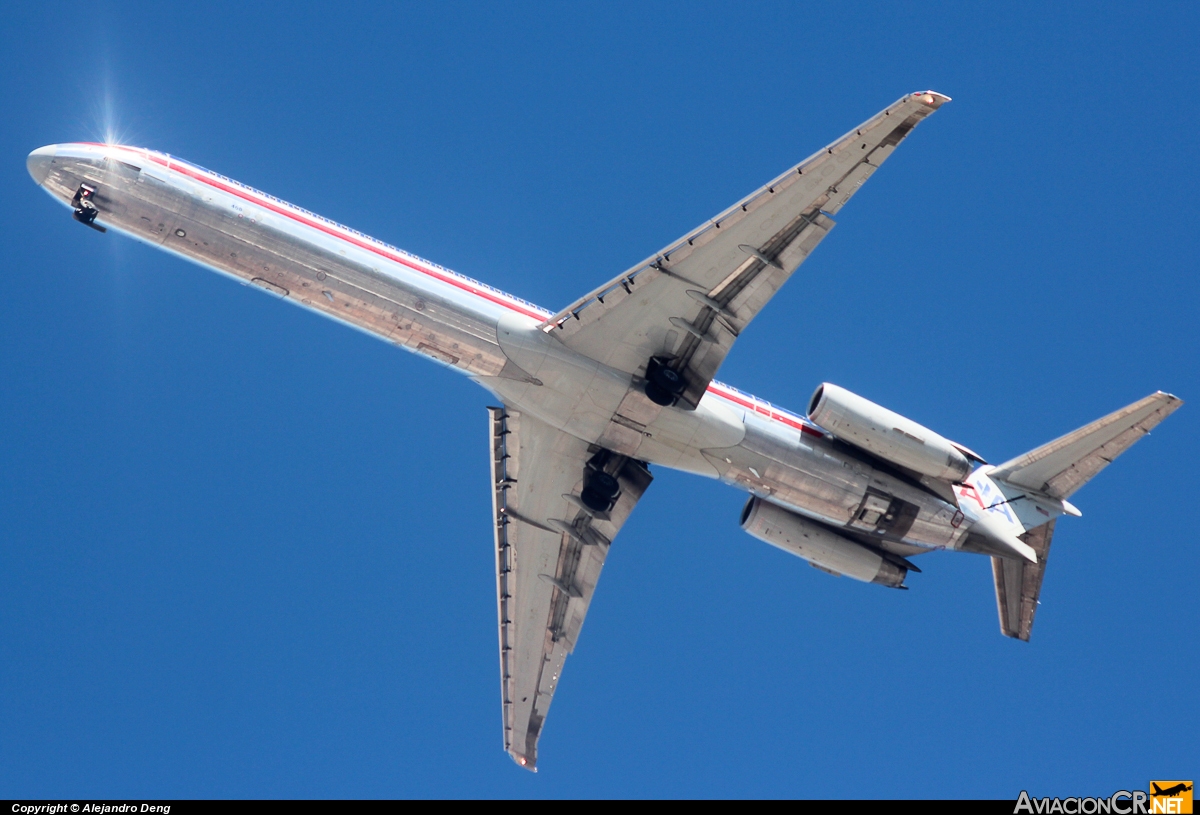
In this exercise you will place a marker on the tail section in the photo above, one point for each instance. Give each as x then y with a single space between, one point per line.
1044 478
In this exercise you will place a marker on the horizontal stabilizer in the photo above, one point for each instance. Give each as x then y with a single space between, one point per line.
1064 465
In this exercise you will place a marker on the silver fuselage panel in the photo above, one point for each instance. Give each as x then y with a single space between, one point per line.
493 337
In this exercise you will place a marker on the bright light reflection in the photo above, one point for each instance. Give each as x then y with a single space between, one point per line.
105 125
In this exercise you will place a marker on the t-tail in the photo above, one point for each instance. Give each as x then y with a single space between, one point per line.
1014 506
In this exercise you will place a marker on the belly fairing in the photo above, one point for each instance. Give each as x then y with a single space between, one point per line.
813 477
582 397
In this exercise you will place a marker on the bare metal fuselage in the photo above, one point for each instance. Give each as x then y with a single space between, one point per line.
466 325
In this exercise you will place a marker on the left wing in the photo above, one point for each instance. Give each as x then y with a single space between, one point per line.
686 305
549 552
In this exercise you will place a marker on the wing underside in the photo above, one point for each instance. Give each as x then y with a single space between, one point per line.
550 549
687 304
680 309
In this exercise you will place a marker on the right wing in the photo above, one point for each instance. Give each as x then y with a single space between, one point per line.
549 552
688 303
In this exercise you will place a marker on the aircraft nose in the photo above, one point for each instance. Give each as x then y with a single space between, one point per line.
38 162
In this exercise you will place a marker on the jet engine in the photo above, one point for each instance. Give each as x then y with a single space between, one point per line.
819 545
889 435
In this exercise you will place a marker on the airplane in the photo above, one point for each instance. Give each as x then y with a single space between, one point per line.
621 380
1169 792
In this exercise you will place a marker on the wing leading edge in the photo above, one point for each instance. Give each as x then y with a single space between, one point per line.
549 552
697 295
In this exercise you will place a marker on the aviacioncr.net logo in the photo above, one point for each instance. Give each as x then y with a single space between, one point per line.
1170 797
1164 798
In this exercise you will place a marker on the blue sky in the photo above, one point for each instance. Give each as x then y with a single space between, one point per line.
246 552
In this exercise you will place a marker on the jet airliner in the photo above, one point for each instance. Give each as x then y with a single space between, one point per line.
591 397
1170 792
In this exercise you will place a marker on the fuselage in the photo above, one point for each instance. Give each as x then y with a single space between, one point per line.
471 327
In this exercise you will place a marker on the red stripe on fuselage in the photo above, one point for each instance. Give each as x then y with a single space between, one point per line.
201 176
192 172
762 410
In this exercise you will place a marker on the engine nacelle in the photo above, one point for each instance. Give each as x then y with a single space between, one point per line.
819 545
889 435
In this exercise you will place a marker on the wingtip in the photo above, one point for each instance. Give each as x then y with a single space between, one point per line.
932 98
524 763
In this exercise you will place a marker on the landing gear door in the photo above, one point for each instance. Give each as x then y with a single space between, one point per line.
884 515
